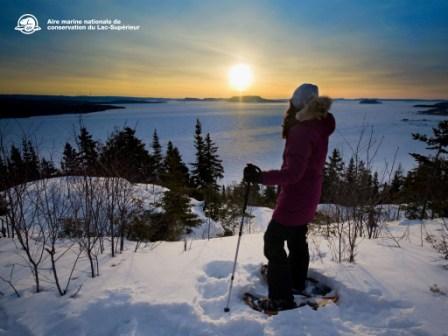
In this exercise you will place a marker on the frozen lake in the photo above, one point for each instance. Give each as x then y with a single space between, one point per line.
244 132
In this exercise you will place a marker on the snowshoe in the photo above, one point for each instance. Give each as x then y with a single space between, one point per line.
316 294
266 305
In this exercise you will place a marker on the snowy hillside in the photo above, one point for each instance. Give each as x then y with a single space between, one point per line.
162 290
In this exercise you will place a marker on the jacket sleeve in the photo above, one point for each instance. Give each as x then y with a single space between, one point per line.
297 154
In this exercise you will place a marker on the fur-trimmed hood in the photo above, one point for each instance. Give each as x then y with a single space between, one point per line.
318 107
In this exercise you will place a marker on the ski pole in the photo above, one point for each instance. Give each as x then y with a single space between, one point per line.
246 199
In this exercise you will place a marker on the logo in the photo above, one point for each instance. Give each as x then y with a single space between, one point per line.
27 24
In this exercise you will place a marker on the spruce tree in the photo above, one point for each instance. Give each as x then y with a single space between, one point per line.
396 185
157 159
47 169
333 172
177 218
363 183
30 161
214 169
375 192
16 167
70 162
349 187
431 174
198 171
175 173
350 172
223 192
87 152
269 196
207 168
125 155
3 173
230 212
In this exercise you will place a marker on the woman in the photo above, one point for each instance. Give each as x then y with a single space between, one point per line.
306 127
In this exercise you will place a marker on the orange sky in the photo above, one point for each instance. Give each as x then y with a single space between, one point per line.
377 50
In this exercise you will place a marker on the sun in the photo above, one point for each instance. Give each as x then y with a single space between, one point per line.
240 77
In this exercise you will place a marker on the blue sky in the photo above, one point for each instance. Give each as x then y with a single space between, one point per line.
185 48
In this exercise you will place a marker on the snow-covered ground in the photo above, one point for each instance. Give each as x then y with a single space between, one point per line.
149 196
162 290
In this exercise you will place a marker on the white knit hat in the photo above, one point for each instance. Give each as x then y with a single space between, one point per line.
303 94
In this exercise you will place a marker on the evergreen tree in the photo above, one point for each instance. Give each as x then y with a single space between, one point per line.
333 172
375 192
350 172
47 169
223 192
178 218
157 158
207 168
396 185
214 169
415 184
230 211
175 173
87 152
125 155
438 142
363 183
3 173
269 196
16 167
70 162
30 161
349 184
255 194
199 166
431 175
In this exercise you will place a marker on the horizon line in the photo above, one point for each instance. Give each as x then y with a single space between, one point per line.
202 98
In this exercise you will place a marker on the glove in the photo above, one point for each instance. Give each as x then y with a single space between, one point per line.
252 174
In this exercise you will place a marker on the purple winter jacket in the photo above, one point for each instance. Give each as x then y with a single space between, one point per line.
301 175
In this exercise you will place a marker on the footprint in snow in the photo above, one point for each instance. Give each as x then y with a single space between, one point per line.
214 282
212 287
218 269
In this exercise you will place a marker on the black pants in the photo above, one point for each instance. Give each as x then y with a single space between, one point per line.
286 271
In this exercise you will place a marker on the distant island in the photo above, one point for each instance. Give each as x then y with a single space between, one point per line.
440 109
253 99
369 101
236 99
25 106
